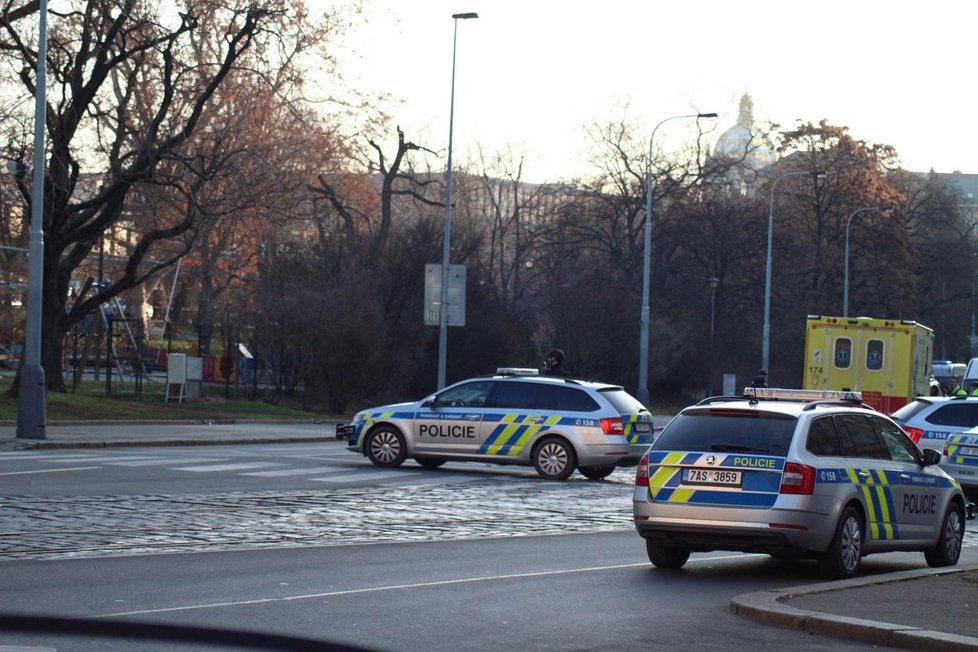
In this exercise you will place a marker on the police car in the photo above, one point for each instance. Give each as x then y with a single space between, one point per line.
794 473
961 461
556 425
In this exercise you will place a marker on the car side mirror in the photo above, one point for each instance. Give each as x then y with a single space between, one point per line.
931 457
428 403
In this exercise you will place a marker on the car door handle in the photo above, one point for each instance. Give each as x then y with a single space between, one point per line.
906 477
863 474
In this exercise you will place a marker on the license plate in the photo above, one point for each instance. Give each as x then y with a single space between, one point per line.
968 450
642 426
719 477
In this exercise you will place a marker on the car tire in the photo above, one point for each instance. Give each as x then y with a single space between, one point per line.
554 458
668 557
841 560
948 548
596 472
385 447
430 462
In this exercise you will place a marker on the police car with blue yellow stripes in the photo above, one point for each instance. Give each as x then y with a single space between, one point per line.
557 425
794 473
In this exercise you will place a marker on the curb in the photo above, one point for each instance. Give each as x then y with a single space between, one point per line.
769 607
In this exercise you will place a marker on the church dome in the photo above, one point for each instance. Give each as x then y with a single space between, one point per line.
745 141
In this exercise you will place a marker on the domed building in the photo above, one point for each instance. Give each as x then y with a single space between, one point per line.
745 146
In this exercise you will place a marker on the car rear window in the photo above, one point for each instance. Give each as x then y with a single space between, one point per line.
963 415
906 412
727 432
622 401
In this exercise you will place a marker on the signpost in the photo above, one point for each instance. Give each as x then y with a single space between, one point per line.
432 295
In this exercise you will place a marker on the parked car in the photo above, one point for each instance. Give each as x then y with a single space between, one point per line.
794 473
556 425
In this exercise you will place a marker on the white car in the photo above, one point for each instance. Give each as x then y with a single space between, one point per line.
554 424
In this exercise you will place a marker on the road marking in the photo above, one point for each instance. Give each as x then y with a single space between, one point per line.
286 472
400 587
168 460
227 467
77 468
363 475
103 458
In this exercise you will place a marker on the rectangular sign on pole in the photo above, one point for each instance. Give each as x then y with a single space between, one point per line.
432 295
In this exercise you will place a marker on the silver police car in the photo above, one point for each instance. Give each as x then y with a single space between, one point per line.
794 473
556 425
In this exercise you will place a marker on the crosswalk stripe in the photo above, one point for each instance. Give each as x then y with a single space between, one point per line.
364 475
165 461
287 472
227 467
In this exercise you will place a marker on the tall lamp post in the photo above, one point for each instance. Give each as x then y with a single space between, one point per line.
766 336
643 356
714 282
845 283
447 239
32 400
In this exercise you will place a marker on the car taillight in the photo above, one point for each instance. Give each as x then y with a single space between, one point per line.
613 426
642 472
798 479
914 433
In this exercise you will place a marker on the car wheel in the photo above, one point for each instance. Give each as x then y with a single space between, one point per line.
663 556
596 472
842 558
430 462
385 447
554 458
948 548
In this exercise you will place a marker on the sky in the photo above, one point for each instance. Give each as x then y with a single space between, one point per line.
532 74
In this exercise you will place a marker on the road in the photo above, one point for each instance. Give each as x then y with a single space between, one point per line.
466 557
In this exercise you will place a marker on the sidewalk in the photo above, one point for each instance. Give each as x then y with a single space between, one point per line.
925 609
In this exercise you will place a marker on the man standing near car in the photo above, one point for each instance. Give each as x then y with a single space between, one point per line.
953 389
555 364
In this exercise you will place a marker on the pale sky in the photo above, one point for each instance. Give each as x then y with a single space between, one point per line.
531 74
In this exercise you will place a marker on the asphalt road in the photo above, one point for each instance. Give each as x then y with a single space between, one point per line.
294 540
568 592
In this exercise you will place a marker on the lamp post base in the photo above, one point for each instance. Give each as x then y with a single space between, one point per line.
32 403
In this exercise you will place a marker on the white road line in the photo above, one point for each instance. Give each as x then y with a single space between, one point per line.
77 468
168 460
400 587
363 475
102 458
227 467
281 473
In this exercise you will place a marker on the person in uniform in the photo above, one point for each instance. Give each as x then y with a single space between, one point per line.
555 364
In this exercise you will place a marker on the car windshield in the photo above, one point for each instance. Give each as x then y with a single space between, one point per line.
749 432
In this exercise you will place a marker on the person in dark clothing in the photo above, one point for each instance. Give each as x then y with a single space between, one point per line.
761 379
555 364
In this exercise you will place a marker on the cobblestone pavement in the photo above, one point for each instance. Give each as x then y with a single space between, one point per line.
104 526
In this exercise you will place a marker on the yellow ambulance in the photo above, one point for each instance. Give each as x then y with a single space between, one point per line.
888 360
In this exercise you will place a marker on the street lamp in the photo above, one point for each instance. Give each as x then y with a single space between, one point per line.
643 356
447 239
766 337
32 399
714 282
845 283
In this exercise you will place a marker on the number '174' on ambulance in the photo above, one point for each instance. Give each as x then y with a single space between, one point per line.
887 360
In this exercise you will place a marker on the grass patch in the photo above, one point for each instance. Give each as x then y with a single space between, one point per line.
89 403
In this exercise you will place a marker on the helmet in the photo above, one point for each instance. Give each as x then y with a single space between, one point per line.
557 353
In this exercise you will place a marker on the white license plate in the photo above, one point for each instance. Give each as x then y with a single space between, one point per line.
641 426
968 450
719 477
